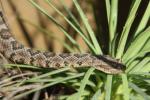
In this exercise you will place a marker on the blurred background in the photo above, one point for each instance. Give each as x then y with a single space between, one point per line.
27 24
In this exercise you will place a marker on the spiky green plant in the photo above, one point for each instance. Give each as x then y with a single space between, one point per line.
133 51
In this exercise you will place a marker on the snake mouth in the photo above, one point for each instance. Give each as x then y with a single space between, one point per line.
111 65
109 69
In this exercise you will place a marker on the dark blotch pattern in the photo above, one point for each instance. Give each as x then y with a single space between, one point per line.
16 45
12 56
65 55
31 60
33 52
80 55
57 65
49 55
4 34
20 61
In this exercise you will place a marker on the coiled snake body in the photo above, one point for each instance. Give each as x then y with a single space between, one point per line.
17 53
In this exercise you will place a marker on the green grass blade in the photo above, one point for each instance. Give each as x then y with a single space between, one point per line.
71 15
125 87
113 22
132 65
144 20
140 54
139 90
97 95
140 65
73 26
108 87
48 74
146 68
21 66
83 83
7 80
54 20
137 45
107 2
146 45
48 84
51 35
126 29
88 27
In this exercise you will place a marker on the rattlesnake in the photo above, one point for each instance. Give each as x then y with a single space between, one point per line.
17 53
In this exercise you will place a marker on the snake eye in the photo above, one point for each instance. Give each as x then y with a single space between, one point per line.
57 65
121 66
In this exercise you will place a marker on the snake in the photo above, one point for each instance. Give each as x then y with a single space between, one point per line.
17 53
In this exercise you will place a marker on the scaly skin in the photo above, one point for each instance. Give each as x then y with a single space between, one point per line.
17 53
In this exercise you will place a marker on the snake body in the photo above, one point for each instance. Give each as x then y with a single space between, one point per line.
18 53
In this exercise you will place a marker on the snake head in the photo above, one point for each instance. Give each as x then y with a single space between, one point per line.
110 65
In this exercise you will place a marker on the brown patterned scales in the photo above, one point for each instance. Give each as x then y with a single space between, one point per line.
17 53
